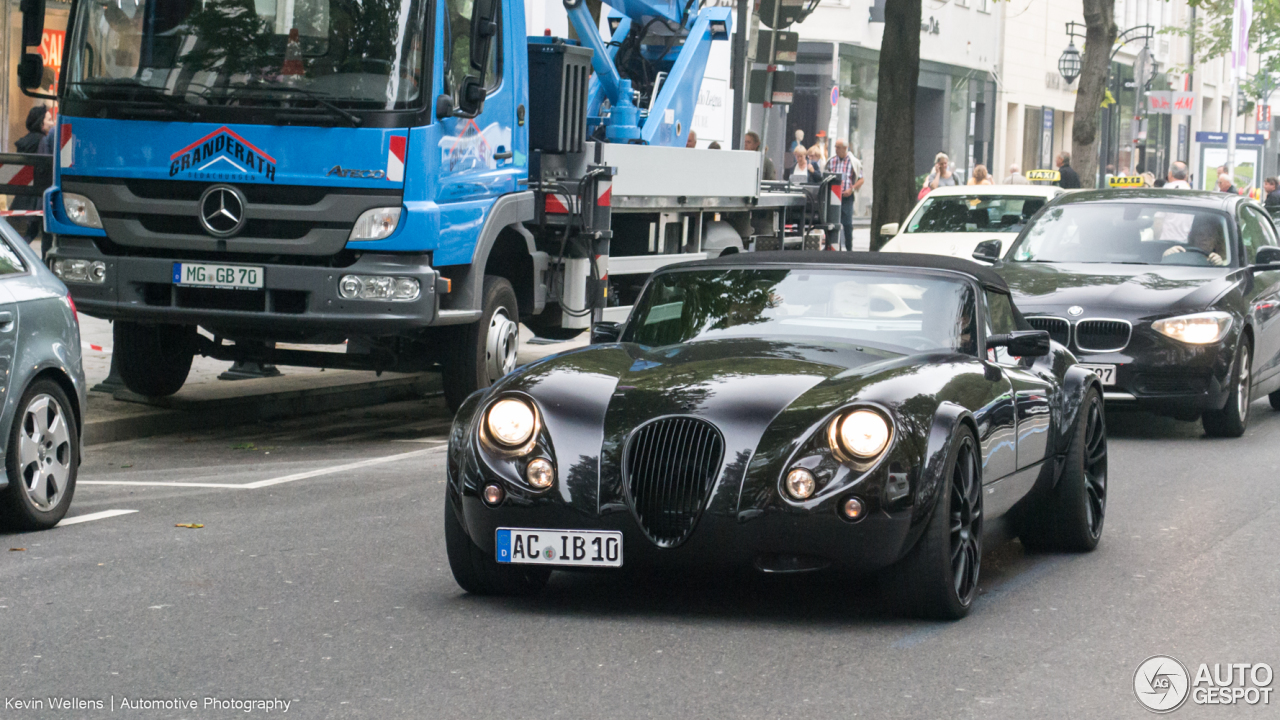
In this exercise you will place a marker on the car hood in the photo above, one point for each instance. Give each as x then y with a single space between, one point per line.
1138 290
954 244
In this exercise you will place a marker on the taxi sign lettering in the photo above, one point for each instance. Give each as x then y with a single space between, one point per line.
1050 175
1126 181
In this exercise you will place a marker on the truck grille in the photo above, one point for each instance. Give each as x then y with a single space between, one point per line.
1102 335
1058 329
670 466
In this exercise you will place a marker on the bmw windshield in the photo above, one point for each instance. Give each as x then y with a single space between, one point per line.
183 56
1129 233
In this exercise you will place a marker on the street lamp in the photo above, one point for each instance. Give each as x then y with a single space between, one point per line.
1069 63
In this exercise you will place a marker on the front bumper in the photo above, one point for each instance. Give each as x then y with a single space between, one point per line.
295 299
1174 379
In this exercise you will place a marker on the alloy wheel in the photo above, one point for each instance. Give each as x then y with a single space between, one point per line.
1095 468
44 452
966 523
1242 390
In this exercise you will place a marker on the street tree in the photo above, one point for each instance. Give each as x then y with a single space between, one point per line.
1100 37
893 188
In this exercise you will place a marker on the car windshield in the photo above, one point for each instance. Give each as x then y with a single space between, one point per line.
365 54
974 213
899 312
1129 233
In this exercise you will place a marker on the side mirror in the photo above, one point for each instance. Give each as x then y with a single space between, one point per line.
471 96
484 26
30 71
444 107
32 22
889 229
1022 343
605 332
987 251
1267 255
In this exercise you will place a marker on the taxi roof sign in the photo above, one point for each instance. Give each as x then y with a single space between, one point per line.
1126 181
1040 175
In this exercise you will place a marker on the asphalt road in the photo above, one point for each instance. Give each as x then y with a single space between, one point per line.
330 589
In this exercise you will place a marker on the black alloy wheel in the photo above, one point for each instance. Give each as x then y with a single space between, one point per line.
1095 468
1069 516
966 522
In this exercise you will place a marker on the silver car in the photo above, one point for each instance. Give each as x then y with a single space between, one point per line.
42 389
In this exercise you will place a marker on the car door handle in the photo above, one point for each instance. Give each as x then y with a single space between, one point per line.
503 155
6 321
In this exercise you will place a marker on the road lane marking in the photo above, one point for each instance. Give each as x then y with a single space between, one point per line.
274 481
93 516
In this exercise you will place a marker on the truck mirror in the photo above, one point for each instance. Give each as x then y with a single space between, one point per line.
32 23
471 96
484 26
444 106
30 71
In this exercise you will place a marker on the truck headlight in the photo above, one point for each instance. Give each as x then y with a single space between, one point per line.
379 287
80 271
376 224
1198 329
81 210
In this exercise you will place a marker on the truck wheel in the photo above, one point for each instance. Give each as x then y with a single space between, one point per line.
42 459
486 350
153 360
478 573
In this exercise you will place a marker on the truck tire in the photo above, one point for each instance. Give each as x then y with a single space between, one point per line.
486 350
153 360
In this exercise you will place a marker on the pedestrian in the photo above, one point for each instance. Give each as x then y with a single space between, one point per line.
1148 179
799 141
842 164
37 141
1016 177
802 171
1225 185
714 146
1272 186
941 175
752 142
692 142
1178 177
980 176
1068 179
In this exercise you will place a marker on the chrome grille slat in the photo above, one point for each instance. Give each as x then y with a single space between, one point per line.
1058 328
670 466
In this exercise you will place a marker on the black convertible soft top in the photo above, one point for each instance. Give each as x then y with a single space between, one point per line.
982 273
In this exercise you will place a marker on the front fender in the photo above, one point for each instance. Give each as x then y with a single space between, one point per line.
947 422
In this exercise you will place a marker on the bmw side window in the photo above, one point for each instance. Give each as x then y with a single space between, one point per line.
10 262
1251 234
457 51
1000 321
1268 227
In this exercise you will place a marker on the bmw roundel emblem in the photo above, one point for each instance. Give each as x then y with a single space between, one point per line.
1075 311
222 212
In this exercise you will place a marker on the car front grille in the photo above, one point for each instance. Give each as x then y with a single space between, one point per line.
1102 335
670 466
1058 329
1174 384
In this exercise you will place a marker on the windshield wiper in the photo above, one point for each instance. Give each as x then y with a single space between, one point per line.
311 94
166 101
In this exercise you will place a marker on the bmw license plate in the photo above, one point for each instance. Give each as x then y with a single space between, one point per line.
1105 373
578 548
235 277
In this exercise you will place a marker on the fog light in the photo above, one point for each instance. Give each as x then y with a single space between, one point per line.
81 210
852 509
81 271
493 494
540 473
375 224
379 287
801 483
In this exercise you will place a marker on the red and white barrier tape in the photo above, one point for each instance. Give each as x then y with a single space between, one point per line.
21 213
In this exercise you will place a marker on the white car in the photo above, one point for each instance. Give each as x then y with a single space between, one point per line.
953 220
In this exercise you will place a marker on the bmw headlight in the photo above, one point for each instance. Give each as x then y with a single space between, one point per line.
861 434
81 210
511 423
376 224
1199 329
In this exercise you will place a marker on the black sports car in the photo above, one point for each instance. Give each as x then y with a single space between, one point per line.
791 410
1168 295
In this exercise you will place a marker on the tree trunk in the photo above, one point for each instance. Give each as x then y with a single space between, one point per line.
893 185
1100 36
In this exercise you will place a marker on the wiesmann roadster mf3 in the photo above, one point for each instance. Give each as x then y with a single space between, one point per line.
793 411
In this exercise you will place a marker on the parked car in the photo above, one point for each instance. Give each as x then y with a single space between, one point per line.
42 389
953 220
1171 296
794 411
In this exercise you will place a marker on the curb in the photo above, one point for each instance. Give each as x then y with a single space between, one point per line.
176 414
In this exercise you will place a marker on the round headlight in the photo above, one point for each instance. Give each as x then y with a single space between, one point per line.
511 422
801 483
540 473
864 434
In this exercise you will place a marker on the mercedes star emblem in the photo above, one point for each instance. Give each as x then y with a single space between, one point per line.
222 210
1075 311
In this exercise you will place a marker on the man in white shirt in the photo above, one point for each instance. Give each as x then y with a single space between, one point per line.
1016 177
1177 177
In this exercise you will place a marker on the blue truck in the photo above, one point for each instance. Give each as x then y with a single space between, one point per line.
403 180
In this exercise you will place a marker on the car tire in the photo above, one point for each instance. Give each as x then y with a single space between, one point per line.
1275 400
153 360
478 573
1233 419
938 579
1070 516
484 351
41 459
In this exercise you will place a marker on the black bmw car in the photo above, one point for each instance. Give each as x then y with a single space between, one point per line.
1170 296
793 411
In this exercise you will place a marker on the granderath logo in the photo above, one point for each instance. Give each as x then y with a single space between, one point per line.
223 155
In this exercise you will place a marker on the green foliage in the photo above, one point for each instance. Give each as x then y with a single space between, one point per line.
1212 32
230 37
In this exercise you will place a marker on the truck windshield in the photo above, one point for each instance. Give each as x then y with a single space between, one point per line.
355 54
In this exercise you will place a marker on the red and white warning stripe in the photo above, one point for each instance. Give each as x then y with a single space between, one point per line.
557 204
837 193
395 158
67 155
17 174
604 193
21 213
